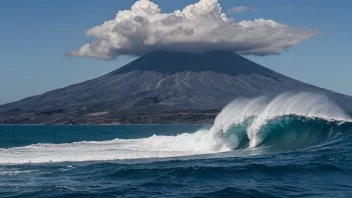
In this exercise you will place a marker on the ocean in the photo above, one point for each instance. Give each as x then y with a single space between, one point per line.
290 146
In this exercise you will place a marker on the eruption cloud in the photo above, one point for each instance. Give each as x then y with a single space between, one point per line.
198 27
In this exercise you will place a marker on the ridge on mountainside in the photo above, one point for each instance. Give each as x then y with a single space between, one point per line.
162 82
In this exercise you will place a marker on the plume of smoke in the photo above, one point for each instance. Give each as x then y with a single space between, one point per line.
198 27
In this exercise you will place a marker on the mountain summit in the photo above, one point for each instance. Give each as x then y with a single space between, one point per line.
167 81
223 62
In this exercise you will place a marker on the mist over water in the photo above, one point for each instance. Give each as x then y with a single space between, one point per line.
302 133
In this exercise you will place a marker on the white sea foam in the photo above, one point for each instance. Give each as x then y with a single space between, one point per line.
237 112
118 149
201 142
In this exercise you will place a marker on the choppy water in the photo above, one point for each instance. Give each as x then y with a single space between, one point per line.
291 146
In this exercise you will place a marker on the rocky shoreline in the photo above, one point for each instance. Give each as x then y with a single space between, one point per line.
59 117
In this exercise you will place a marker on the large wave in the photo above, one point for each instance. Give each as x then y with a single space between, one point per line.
287 122
263 110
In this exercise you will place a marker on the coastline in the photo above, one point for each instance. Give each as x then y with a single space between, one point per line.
180 117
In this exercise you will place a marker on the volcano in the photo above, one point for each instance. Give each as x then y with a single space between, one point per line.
166 82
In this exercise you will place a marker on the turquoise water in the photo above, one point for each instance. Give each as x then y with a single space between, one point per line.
297 157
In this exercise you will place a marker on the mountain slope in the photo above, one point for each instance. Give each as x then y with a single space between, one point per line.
163 81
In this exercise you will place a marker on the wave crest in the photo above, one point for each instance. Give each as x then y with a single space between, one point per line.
263 110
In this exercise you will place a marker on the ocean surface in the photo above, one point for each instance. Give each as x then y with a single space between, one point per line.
291 146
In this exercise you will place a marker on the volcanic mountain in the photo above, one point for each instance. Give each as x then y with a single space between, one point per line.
168 81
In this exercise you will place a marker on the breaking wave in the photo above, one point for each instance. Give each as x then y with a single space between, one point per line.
287 122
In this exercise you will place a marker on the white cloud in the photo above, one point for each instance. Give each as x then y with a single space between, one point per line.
198 27
240 9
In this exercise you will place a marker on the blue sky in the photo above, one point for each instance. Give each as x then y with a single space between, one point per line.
36 34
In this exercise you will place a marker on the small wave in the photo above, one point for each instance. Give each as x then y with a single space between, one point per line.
12 172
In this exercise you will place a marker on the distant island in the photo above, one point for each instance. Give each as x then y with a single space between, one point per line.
159 88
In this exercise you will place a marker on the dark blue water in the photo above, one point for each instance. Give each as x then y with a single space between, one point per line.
299 157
